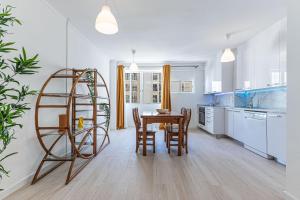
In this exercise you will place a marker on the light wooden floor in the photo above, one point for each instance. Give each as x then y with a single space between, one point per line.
213 169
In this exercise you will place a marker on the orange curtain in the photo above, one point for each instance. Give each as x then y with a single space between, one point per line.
120 97
166 90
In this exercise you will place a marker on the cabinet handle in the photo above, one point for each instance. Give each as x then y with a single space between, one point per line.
275 116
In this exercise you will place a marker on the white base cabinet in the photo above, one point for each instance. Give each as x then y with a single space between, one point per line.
238 125
214 120
276 135
229 122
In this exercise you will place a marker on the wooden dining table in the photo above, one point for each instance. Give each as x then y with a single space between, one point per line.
155 117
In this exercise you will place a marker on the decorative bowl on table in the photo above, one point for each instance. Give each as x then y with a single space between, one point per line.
162 111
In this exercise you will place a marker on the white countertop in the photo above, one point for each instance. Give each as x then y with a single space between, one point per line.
283 111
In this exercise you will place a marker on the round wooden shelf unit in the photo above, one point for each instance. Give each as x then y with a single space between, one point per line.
85 98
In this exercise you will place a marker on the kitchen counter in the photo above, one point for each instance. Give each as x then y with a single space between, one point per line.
282 111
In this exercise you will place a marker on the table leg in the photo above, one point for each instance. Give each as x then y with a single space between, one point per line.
180 133
144 137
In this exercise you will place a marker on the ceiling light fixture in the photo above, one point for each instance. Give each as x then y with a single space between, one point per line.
106 22
133 66
228 55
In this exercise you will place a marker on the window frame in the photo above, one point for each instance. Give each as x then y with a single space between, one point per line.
141 72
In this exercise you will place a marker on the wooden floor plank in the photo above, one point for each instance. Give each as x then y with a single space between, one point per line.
214 169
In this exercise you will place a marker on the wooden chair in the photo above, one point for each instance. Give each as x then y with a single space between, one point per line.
139 132
166 126
172 132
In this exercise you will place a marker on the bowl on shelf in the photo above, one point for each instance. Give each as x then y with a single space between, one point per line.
162 111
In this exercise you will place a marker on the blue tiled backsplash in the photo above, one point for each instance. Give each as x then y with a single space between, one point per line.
268 98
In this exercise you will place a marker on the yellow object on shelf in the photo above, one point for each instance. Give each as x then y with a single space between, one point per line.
80 123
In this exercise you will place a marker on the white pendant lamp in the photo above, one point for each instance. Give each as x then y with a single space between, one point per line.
228 55
106 22
133 66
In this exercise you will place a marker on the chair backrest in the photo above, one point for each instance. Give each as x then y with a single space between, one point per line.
187 113
187 119
136 118
183 109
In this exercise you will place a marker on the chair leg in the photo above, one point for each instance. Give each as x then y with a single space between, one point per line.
169 141
186 143
154 143
137 143
165 135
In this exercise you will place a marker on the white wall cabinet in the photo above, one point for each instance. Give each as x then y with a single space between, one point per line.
238 126
262 60
283 51
229 123
276 134
219 77
208 78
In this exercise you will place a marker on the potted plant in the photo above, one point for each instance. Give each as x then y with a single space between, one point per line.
13 93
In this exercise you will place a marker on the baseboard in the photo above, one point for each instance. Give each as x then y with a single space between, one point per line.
262 154
23 182
26 181
289 196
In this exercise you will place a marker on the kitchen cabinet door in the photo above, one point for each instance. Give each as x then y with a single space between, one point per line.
267 56
276 134
283 52
261 61
244 67
238 126
208 79
229 123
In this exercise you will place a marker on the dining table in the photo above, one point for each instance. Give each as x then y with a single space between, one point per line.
155 117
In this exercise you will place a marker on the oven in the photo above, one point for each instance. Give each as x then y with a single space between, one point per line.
201 119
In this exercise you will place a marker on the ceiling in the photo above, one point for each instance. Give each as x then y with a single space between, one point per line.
172 30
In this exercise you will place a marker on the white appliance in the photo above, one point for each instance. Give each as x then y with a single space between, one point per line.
255 138
201 116
276 134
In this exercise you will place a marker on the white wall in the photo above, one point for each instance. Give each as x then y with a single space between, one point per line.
43 32
113 93
293 140
189 100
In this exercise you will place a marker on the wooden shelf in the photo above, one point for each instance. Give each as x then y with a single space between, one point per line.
50 128
90 104
98 85
56 133
65 95
52 106
65 76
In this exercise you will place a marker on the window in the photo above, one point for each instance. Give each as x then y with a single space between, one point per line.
143 87
181 86
132 87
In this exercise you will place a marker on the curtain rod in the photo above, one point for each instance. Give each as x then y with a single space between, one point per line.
184 66
172 66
